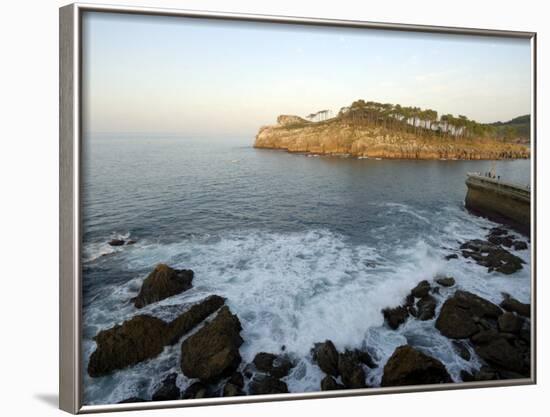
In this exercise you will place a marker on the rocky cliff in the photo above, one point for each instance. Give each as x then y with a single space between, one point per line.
336 137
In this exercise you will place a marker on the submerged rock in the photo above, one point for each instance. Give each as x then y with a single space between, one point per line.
277 366
213 351
168 390
267 384
396 316
460 314
451 256
491 256
162 283
138 339
326 356
116 242
408 366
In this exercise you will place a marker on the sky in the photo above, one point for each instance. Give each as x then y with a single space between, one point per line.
198 77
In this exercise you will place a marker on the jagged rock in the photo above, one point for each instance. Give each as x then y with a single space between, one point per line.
459 315
196 390
351 371
328 383
213 351
408 366
395 316
513 305
446 281
422 289
326 356
426 308
162 283
168 390
138 339
267 384
192 317
499 352
462 350
491 256
510 323
277 366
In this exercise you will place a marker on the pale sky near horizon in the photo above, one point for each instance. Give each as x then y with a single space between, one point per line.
157 74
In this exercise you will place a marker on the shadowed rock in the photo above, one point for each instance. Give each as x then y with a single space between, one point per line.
446 281
277 366
462 350
395 316
461 312
116 242
326 356
513 305
168 390
196 390
425 308
351 371
408 366
267 384
213 351
162 283
510 323
328 383
421 290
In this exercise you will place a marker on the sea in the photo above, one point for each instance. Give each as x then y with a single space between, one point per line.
304 248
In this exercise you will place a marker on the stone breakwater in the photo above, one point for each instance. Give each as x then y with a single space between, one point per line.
337 137
495 336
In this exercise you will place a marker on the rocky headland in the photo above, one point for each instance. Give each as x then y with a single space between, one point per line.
346 137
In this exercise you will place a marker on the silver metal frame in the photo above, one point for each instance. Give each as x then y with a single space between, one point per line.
70 364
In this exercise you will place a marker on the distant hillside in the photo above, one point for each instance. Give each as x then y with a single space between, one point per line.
515 130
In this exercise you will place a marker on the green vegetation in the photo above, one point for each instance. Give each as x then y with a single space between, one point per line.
425 122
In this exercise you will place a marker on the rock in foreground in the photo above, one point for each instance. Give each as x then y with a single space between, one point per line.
408 366
213 352
162 283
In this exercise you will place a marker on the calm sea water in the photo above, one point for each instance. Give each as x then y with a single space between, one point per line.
304 248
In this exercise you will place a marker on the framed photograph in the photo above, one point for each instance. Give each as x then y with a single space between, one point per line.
258 208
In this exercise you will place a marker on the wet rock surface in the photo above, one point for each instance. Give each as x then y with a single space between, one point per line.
408 366
328 383
267 384
492 256
168 390
445 281
213 351
277 366
513 305
161 283
326 356
395 316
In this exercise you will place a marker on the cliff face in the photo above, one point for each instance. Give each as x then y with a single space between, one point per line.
335 136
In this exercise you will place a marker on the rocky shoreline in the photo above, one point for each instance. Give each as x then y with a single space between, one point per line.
209 336
338 137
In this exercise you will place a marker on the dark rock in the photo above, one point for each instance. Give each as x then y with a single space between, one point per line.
462 350
525 333
116 242
232 390
408 366
426 308
326 356
485 373
498 231
510 323
466 376
421 290
485 336
213 351
328 383
192 317
131 242
409 300
451 256
446 281
168 390
162 283
140 338
519 245
500 353
460 313
237 379
351 371
491 256
132 400
277 366
508 242
435 290
365 358
513 305
266 384
395 316
196 390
